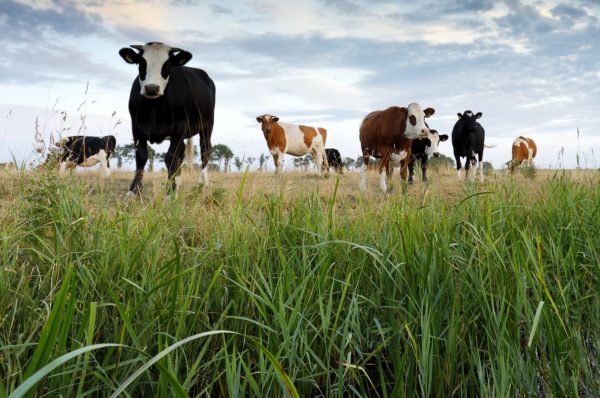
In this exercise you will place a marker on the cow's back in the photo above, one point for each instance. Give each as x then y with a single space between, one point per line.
384 128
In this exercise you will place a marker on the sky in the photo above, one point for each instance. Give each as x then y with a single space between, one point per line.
531 67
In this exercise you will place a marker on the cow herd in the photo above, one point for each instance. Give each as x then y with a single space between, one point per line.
174 102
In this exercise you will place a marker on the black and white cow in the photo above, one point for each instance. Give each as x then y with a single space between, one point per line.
422 149
334 159
79 150
468 138
168 101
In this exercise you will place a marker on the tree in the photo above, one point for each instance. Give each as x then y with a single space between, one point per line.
358 162
302 162
238 163
222 152
262 162
250 160
348 162
442 161
124 152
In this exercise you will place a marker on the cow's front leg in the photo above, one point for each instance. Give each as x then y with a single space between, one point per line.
383 170
458 165
173 160
411 169
141 158
424 167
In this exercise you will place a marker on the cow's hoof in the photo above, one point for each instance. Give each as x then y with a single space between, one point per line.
131 195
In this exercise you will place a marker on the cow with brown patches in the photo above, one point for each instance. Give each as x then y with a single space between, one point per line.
295 140
388 135
523 153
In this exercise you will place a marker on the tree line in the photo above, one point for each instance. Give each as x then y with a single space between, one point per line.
223 159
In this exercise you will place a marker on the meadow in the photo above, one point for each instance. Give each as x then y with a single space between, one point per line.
300 286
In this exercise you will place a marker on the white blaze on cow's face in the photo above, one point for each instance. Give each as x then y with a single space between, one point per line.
155 62
415 121
434 138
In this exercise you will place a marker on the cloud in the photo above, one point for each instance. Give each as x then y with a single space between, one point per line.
21 22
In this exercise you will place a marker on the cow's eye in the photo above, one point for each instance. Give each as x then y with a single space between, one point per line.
165 69
142 68
413 120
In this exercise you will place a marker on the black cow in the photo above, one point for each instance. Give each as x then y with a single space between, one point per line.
422 149
334 159
168 101
79 150
468 141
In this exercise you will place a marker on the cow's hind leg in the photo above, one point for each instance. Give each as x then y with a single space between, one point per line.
384 168
173 161
205 150
480 159
363 172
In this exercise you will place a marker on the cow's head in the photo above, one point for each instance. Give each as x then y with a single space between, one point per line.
415 121
155 60
432 143
469 120
266 123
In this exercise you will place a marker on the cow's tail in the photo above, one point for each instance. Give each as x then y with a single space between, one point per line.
189 153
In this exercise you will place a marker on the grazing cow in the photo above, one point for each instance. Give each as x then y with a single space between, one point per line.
468 138
334 159
523 153
388 135
168 101
422 149
296 140
79 150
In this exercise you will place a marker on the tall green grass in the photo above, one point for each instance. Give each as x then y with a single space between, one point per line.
222 293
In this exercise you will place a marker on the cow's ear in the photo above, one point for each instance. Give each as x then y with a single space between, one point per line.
459 115
275 119
259 119
129 55
478 115
443 137
429 112
181 58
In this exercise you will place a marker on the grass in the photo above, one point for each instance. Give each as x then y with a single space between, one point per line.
300 286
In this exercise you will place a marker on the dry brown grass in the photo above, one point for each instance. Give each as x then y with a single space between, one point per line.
292 184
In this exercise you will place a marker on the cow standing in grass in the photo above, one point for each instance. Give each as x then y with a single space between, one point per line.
422 149
168 101
296 140
79 150
468 140
388 135
524 151
334 159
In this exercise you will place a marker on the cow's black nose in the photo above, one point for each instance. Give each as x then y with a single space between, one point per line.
151 90
268 130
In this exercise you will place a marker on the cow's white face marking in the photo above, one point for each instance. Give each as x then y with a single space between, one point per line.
155 61
434 148
415 122
155 55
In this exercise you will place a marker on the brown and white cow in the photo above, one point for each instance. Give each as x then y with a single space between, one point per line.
523 153
295 140
388 135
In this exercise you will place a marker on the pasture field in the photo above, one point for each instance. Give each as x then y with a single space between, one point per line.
300 286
